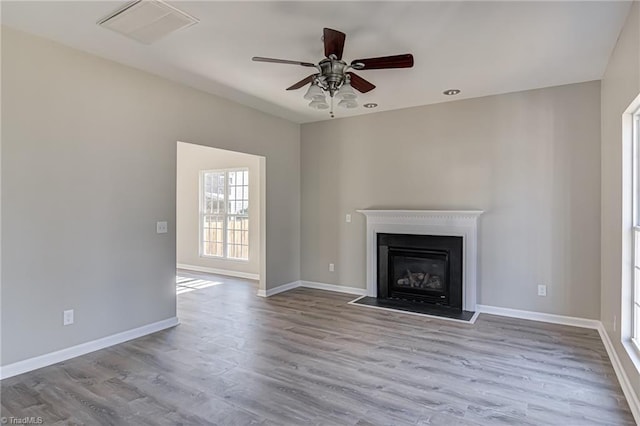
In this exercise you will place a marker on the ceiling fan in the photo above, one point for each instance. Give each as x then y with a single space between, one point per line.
333 75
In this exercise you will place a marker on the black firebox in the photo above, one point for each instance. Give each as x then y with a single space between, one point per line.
422 268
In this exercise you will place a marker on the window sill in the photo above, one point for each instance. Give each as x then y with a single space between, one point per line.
226 259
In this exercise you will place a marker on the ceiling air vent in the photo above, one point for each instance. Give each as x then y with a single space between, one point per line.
147 20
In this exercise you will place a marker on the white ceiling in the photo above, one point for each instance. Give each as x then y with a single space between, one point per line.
482 48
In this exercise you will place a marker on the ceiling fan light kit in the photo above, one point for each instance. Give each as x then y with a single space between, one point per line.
333 76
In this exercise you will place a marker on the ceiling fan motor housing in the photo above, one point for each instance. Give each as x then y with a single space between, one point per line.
333 71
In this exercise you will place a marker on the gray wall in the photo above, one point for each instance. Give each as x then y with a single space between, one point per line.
88 167
191 160
531 160
620 85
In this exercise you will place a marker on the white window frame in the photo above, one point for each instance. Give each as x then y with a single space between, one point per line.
635 238
225 215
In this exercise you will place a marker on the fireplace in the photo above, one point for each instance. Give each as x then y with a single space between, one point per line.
422 261
422 268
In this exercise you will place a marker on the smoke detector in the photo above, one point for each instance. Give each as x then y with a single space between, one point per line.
147 20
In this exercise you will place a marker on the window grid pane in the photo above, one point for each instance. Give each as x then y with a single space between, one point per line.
212 235
238 215
635 324
636 174
237 237
636 244
636 286
636 280
636 319
213 196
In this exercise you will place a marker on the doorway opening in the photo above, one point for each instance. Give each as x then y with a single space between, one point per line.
220 216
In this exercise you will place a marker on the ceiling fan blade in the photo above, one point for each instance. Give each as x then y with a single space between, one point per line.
282 61
360 84
333 42
396 61
302 82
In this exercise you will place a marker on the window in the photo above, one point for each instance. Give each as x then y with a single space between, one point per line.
224 214
636 228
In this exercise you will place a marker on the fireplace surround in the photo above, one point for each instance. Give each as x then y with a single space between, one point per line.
437 223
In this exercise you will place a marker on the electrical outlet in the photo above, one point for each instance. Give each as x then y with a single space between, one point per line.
614 323
161 227
542 290
67 317
348 218
332 267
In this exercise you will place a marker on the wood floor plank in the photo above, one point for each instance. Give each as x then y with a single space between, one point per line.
307 357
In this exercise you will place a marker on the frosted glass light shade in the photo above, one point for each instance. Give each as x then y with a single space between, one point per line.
346 92
348 103
313 91
319 103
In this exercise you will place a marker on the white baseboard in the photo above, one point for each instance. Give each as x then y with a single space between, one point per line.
311 284
538 316
226 272
333 287
34 363
625 383
280 289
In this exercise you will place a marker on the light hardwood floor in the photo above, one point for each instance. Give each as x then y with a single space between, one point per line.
306 357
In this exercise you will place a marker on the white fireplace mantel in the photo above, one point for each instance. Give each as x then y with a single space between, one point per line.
461 223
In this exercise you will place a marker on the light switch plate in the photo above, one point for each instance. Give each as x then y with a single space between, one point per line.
67 317
161 227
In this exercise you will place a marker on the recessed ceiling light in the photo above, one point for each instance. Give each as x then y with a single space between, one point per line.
370 105
451 92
